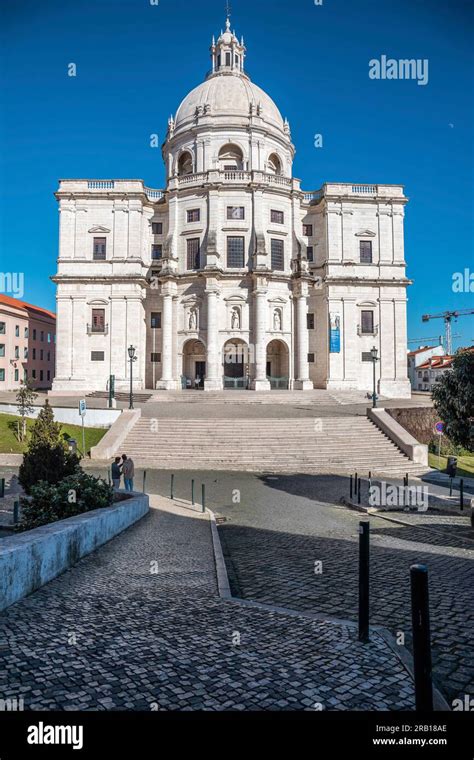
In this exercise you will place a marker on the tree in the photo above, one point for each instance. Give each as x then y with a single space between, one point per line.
47 457
453 398
25 399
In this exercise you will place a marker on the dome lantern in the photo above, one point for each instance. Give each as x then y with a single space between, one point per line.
228 54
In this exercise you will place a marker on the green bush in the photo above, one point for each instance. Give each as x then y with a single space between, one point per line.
47 457
74 495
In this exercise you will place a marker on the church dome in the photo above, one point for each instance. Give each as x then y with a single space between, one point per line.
231 95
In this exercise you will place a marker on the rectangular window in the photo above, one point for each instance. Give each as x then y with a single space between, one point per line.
156 252
25 375
97 356
17 331
34 334
41 354
156 358
49 337
25 353
2 375
311 358
155 322
366 356
100 245
33 374
365 247
2 349
42 337
193 251
228 59
98 320
367 323
41 375
310 253
277 253
17 375
194 215
34 353
307 230
235 212
310 321
277 217
235 252
48 375
157 228
2 328
17 352
27 332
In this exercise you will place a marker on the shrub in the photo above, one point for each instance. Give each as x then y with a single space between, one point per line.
453 398
47 458
74 495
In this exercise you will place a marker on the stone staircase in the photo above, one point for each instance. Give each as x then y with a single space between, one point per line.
329 444
138 397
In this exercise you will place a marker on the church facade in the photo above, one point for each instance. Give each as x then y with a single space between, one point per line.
232 276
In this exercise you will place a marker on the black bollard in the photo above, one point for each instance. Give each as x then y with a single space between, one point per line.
355 483
203 491
364 534
144 481
420 615
350 488
172 487
192 492
16 510
358 490
461 494
2 488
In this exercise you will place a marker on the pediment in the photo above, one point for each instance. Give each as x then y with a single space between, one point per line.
365 233
98 228
277 299
236 297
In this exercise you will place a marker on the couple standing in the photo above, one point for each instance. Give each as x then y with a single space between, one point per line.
123 466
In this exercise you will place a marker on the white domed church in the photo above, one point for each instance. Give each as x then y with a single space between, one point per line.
232 277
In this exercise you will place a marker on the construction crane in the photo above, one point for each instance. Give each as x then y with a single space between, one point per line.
448 317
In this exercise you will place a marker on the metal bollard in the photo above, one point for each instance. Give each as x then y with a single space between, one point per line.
144 481
109 480
355 483
358 490
192 492
350 488
420 614
203 490
172 487
16 511
2 488
461 494
450 486
364 558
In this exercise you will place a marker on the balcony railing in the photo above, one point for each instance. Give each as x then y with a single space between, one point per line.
234 176
97 329
373 332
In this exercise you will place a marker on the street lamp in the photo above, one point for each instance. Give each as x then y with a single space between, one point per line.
132 358
375 359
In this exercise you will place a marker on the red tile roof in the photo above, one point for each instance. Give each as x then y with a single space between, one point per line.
437 362
16 303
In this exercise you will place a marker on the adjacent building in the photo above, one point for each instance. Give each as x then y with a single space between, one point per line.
418 357
27 344
231 276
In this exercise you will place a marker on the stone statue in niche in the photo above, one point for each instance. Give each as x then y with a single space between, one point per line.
193 319
235 319
277 320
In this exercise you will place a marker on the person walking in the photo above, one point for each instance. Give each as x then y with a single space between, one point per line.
128 471
116 473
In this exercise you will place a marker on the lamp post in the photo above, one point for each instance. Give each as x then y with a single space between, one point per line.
375 359
132 358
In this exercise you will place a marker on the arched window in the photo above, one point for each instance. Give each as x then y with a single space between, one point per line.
274 164
185 164
231 157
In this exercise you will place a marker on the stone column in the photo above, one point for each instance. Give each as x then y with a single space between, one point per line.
302 382
260 382
168 382
213 379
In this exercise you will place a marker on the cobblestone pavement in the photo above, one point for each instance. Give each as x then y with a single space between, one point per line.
112 633
271 549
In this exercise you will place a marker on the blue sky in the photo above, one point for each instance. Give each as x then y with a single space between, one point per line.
136 61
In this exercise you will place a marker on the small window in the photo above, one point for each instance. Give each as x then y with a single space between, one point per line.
25 353
194 215
366 356
2 375
41 375
310 321
97 356
34 354
49 356
25 375
155 320
157 228
156 252
307 230
2 349
48 375
17 331
17 375
100 245
2 328
41 354
235 252
277 217
17 352
49 337
228 59
33 374
278 255
98 320
34 334
193 253
235 212
27 332
311 358
156 358
367 323
365 251
310 253
42 336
